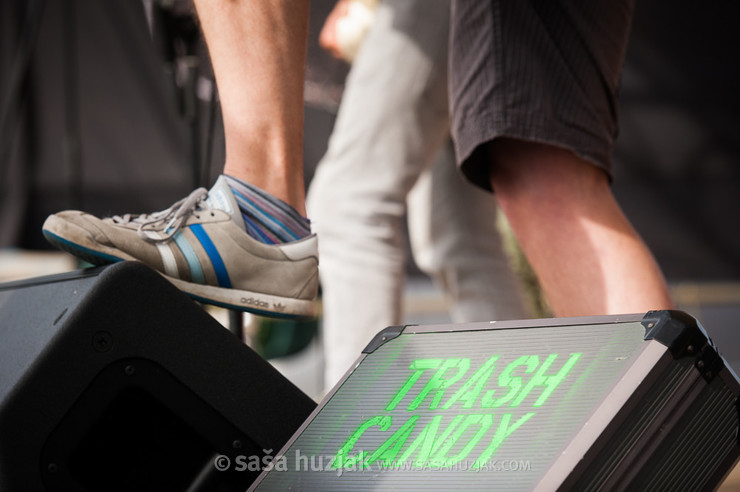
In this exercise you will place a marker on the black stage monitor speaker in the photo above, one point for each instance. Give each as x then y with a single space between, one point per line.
111 379
638 402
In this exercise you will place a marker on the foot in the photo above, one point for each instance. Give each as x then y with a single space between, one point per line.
200 245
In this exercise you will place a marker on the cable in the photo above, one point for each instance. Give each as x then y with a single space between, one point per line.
212 110
72 133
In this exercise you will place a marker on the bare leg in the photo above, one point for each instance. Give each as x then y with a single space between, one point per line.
588 257
258 50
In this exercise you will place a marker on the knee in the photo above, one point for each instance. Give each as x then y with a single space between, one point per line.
532 174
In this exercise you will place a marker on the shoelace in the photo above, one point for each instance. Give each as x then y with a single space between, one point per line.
161 226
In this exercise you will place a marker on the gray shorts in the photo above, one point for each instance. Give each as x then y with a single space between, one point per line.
539 70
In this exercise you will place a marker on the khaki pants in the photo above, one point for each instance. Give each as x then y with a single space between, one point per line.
392 123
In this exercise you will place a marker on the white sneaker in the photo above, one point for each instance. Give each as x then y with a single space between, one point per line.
201 246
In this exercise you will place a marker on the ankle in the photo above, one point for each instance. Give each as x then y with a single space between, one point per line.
275 182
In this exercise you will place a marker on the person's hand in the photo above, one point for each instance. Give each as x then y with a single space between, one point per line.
346 26
328 39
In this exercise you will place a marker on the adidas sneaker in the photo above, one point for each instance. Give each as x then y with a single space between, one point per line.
200 245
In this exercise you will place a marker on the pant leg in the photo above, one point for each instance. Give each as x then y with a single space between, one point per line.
392 120
455 240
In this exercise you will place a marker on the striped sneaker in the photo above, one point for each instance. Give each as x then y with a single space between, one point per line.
200 245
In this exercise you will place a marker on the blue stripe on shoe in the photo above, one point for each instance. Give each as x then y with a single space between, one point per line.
218 264
196 272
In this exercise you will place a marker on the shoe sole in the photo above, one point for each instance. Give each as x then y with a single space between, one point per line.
240 300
